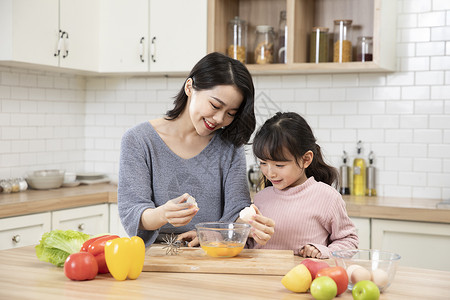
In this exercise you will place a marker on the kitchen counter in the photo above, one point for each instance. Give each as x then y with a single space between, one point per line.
23 276
35 201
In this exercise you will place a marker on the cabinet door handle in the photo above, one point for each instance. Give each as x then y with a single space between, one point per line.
153 49
58 47
16 238
81 226
142 48
66 44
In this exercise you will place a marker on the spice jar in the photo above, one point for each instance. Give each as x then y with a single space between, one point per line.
364 48
23 184
342 49
237 39
264 47
15 186
318 45
6 186
282 39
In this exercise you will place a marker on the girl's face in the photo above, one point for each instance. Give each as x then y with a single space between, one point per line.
286 174
212 109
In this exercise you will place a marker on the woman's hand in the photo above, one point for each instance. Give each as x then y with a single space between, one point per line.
310 251
262 227
177 212
190 236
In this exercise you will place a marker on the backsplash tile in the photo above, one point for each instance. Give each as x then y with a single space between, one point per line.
57 120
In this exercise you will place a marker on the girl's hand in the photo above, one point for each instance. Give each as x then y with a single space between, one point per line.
262 227
177 212
310 251
190 236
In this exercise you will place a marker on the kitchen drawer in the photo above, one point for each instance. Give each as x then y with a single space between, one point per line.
23 230
88 219
420 244
115 226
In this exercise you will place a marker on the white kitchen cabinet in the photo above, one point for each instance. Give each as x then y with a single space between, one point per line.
57 33
92 219
23 230
363 229
178 34
115 226
420 244
29 31
124 39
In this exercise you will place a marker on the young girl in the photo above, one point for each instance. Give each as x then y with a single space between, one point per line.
195 150
308 214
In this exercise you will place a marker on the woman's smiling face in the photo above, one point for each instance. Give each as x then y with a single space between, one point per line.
212 109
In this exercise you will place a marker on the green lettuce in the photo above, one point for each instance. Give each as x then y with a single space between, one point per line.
55 246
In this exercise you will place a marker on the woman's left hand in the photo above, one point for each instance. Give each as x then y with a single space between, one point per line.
189 236
262 227
310 251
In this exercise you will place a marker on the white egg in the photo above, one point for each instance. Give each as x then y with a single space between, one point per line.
360 274
380 277
247 213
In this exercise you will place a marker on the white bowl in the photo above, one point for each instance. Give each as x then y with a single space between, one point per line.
70 177
45 179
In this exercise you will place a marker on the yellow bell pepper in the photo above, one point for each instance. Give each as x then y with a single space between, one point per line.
125 257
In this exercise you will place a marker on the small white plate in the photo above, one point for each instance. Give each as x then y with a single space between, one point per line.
71 184
90 176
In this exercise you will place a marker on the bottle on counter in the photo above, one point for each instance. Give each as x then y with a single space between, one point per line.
264 45
237 39
282 39
359 172
345 173
370 187
342 48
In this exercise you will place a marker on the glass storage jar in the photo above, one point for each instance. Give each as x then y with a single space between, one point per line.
282 39
318 45
342 48
264 45
364 48
237 39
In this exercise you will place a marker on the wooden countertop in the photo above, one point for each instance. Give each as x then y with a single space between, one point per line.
34 201
23 276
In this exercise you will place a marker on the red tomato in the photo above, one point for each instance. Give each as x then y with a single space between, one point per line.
339 275
81 266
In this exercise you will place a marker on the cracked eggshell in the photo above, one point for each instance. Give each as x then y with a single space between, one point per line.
247 213
191 200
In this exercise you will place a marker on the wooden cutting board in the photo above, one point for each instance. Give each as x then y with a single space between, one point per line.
249 261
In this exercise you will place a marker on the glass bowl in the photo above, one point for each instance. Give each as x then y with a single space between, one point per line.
219 239
379 266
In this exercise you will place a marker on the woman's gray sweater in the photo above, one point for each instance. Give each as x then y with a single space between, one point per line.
150 174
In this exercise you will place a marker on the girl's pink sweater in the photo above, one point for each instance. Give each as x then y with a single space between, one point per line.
311 213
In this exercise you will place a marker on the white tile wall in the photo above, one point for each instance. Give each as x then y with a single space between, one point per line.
52 120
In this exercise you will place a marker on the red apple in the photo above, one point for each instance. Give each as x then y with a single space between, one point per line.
339 275
314 266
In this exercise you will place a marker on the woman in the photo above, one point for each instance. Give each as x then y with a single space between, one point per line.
195 150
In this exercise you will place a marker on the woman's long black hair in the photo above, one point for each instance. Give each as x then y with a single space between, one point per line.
290 132
217 69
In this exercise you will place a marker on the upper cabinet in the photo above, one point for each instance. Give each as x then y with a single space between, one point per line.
61 33
124 36
374 18
178 34
29 31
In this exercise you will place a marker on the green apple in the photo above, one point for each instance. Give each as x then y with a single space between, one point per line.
365 290
323 288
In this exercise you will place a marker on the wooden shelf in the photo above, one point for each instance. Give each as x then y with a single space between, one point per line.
375 18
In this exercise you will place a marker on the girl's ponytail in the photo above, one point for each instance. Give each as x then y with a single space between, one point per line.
321 170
